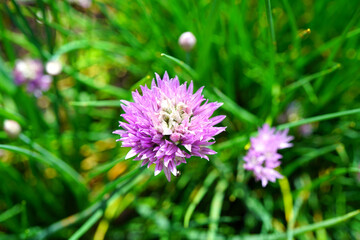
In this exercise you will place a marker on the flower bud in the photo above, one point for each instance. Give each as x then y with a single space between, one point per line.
82 3
12 128
187 41
53 67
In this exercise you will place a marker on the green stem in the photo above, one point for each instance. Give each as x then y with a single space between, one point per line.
87 225
271 23
186 67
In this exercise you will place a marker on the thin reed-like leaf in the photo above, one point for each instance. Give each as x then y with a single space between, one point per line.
87 225
318 118
215 208
100 103
199 195
183 65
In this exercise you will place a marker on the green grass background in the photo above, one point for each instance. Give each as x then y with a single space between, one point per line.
66 178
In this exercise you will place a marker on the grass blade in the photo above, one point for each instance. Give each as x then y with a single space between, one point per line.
235 109
6 82
310 78
319 50
141 82
301 230
86 44
234 141
11 212
59 164
326 223
329 177
116 91
87 225
287 197
199 195
11 115
114 184
215 208
62 168
186 67
310 155
334 51
103 168
271 23
101 103
318 118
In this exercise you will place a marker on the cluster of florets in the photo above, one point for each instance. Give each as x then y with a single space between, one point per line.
30 73
263 157
167 124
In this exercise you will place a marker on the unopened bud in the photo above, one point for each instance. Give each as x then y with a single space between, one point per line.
82 3
187 41
12 128
53 67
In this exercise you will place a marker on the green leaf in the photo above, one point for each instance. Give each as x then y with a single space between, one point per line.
141 82
11 115
87 225
326 223
301 230
103 168
57 163
123 180
86 44
116 91
186 67
199 195
215 208
318 118
233 141
6 81
310 155
311 77
74 180
100 103
233 108
11 212
328 177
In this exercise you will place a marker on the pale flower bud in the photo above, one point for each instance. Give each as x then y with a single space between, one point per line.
12 128
82 3
53 67
187 41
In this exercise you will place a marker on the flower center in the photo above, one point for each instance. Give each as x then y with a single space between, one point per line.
171 115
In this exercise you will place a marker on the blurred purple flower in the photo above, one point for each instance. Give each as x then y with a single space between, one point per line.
306 130
263 157
30 72
167 124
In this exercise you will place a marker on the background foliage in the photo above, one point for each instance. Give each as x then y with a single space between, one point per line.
66 161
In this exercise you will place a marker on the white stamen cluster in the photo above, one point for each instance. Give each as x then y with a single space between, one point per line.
171 115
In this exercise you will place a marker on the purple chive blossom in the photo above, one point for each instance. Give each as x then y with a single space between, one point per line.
30 72
263 157
167 124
